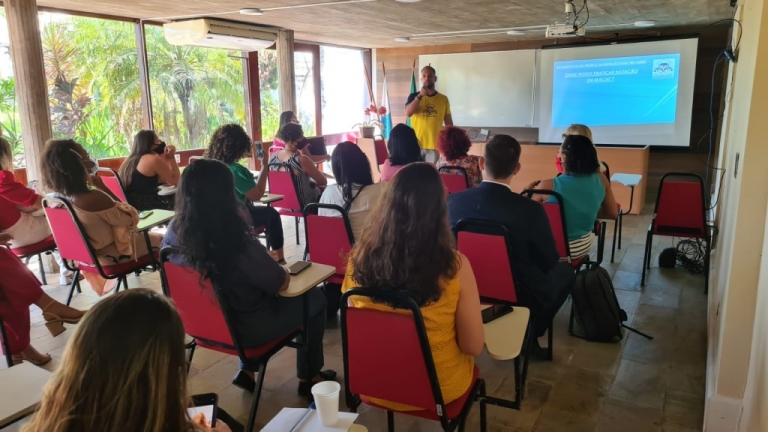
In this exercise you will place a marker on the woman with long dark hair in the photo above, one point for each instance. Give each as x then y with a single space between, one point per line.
229 144
354 190
408 247
286 117
585 190
124 369
403 147
212 228
150 164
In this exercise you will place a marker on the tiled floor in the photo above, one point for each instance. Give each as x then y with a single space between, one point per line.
636 385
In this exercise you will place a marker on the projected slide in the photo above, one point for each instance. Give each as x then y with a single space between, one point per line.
615 91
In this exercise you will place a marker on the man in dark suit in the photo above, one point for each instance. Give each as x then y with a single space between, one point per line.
543 282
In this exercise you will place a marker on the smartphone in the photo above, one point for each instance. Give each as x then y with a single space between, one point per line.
298 266
145 214
495 311
259 149
204 410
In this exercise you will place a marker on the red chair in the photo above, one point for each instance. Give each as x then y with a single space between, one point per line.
373 341
680 212
37 249
455 178
6 347
556 215
74 246
329 239
382 154
112 181
199 304
281 183
486 245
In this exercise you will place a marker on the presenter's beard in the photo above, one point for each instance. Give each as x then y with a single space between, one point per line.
430 86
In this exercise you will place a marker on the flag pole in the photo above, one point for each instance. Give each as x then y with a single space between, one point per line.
370 90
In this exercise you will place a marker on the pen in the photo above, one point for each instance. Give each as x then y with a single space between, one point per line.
304 417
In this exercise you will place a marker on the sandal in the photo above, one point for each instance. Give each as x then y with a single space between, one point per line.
55 323
18 358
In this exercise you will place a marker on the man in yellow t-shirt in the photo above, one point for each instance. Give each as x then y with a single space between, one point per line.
428 110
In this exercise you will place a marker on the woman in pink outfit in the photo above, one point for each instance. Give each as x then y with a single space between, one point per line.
19 289
403 147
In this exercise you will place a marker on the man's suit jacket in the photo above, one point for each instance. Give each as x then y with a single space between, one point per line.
533 253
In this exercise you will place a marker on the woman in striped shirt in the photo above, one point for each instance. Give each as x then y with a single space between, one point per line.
308 179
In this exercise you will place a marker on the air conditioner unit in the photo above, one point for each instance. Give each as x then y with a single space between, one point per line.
211 33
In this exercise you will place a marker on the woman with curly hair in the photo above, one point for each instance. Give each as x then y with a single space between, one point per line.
453 144
229 144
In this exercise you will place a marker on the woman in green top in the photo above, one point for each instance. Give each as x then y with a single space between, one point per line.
229 144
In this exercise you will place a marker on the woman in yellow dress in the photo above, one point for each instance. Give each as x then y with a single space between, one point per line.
408 244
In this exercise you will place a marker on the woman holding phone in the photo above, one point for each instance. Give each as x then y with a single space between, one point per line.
150 164
308 179
124 369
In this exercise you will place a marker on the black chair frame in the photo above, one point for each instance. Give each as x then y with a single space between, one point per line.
405 302
282 166
492 228
258 365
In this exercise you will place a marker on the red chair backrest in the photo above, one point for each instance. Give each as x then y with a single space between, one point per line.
385 359
328 240
70 240
680 207
454 182
281 183
554 214
196 303
185 155
113 184
381 151
489 257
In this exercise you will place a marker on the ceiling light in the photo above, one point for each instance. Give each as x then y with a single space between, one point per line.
402 39
645 23
251 11
516 32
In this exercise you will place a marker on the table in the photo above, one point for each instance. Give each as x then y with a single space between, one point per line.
631 181
21 392
158 217
269 198
504 336
309 278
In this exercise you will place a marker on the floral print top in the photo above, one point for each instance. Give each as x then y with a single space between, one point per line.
471 165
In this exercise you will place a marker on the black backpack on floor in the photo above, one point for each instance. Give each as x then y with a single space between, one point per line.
596 309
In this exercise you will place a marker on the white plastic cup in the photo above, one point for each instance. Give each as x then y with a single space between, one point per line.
326 394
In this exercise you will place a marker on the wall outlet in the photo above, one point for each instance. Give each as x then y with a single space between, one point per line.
736 165
178 158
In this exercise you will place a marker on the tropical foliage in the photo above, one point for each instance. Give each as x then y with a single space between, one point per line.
95 93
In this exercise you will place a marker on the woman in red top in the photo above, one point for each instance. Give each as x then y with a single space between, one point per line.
19 289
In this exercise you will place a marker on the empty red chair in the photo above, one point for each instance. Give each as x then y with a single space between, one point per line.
281 183
455 178
45 246
210 325
112 181
486 245
75 247
680 212
329 239
374 340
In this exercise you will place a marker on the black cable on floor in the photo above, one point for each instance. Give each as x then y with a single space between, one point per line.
690 255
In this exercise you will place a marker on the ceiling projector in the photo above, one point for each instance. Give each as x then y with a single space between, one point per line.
564 30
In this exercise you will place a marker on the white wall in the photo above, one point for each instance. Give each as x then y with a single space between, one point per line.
737 345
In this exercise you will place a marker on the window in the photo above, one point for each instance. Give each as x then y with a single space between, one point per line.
305 90
344 88
270 97
93 81
194 90
9 114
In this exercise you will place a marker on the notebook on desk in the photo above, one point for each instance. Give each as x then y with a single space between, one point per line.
288 417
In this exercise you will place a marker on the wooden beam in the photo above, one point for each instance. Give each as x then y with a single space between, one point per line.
252 89
147 121
286 73
318 85
31 86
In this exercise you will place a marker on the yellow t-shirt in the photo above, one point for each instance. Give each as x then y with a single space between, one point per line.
428 120
454 368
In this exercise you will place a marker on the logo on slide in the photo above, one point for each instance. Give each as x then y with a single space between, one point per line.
664 67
